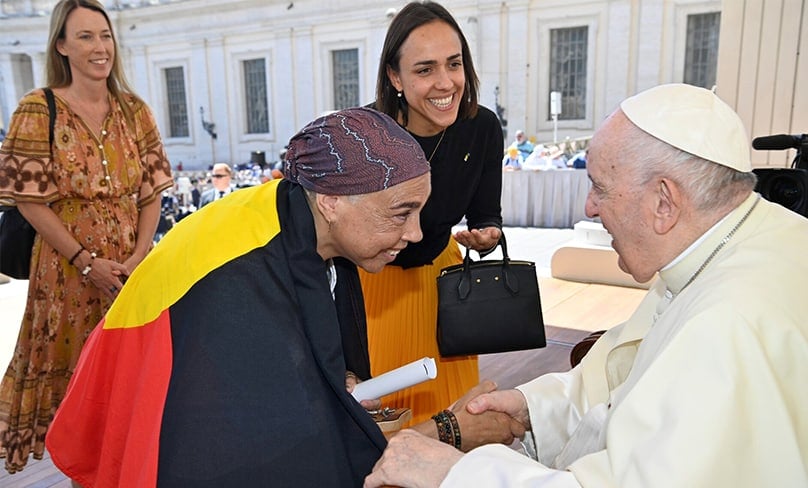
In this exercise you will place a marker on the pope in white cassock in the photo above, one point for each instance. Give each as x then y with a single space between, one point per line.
705 384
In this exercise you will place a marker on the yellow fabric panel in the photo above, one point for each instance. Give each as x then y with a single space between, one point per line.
205 240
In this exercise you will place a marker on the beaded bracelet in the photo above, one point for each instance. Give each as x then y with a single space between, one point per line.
81 249
89 266
444 428
448 428
455 428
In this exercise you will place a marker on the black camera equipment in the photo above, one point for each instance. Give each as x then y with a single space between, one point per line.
786 186
784 141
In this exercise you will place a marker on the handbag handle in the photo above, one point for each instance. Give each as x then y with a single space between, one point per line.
509 279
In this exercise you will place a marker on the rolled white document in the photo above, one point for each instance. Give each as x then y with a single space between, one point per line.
397 379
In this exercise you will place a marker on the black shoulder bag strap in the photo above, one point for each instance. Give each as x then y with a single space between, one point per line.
51 115
16 233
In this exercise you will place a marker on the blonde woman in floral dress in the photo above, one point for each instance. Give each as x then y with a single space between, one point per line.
92 197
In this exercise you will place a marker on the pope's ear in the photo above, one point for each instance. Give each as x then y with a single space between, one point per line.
668 206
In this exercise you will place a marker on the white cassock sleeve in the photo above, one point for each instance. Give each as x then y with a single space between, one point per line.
711 410
721 405
556 404
496 465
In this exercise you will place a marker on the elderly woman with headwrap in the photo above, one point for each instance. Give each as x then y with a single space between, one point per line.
222 362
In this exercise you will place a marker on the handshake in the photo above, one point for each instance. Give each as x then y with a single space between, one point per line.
428 450
484 415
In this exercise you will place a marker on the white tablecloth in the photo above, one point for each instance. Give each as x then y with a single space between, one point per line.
548 199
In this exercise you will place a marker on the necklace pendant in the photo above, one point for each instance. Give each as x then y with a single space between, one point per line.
436 147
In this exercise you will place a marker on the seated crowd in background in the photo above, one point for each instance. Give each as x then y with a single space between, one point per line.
193 189
522 144
541 157
546 157
513 159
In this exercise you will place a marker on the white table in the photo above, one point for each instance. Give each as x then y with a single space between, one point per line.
547 199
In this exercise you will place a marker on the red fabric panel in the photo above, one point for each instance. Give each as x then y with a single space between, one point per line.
119 410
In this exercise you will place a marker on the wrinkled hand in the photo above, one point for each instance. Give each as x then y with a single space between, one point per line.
413 460
485 426
479 239
351 380
508 402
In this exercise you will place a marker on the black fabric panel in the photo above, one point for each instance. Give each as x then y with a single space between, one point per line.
257 394
352 320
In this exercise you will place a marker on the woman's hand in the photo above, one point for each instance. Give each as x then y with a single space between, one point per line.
351 380
105 274
484 426
479 239
478 428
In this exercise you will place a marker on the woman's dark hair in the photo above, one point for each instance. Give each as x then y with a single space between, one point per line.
409 18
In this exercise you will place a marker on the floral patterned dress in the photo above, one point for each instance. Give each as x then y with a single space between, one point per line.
95 183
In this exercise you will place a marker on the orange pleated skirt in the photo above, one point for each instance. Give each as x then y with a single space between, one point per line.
402 311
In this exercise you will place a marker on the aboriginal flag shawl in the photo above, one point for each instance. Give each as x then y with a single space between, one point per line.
220 363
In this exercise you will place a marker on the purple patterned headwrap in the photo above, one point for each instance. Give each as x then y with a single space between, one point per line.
353 152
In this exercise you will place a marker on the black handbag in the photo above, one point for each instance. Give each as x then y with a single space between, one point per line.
16 241
489 306
17 234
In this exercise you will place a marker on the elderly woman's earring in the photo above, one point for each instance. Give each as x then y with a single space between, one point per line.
399 94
